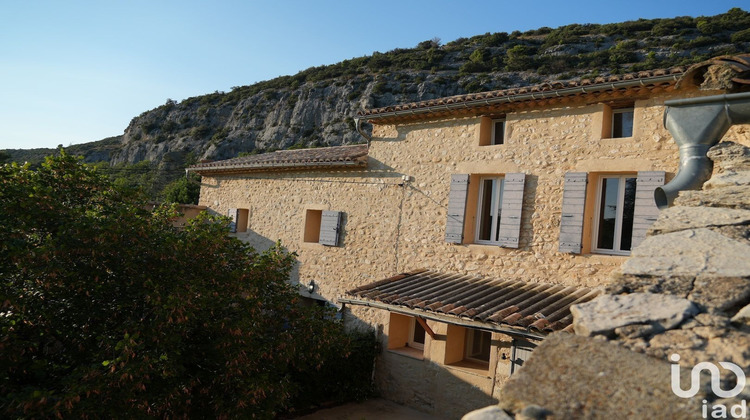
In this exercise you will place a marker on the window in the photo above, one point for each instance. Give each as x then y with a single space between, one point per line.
478 345
239 220
615 208
468 348
489 210
498 131
619 210
622 123
485 209
492 130
312 225
406 335
416 335
322 226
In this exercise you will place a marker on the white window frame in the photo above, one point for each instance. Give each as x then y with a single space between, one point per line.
495 208
492 134
621 111
618 217
410 342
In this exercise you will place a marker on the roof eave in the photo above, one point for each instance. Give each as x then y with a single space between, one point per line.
266 167
671 78
448 319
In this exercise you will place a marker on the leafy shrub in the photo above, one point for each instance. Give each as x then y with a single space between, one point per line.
109 311
741 36
519 58
184 190
200 131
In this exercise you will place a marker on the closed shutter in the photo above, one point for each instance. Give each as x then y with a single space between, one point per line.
512 205
571 222
233 214
520 353
454 226
330 227
645 212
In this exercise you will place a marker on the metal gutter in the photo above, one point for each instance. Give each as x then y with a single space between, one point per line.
463 322
697 124
260 166
524 96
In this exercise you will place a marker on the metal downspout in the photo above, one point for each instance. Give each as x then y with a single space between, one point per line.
358 126
697 124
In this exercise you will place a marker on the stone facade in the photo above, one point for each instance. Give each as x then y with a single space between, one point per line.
394 220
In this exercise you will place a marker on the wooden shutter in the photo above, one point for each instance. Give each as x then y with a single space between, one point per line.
645 212
511 207
454 226
330 227
233 214
571 222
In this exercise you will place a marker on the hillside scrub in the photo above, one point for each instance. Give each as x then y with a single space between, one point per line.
107 310
315 107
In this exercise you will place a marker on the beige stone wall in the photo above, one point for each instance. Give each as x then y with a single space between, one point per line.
391 228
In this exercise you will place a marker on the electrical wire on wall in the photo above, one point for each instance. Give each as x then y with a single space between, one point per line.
403 186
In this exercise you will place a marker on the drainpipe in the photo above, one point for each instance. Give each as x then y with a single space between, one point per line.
358 125
697 124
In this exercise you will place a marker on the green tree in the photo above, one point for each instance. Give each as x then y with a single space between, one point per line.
184 190
105 309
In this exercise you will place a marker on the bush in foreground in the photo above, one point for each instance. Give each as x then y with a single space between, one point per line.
107 310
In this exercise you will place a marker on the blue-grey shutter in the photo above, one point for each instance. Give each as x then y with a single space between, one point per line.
330 227
645 212
454 226
571 222
233 214
511 208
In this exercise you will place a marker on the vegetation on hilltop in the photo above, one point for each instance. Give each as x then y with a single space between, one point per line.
315 107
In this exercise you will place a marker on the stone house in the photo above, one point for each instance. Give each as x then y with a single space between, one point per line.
465 227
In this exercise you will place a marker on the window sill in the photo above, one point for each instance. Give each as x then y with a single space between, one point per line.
488 249
603 257
472 367
410 352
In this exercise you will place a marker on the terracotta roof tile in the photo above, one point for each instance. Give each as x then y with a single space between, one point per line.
353 155
475 99
539 307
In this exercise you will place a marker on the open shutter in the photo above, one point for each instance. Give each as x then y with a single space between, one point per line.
571 222
233 214
512 205
330 226
645 212
454 226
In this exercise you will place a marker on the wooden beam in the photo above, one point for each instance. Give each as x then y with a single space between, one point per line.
426 327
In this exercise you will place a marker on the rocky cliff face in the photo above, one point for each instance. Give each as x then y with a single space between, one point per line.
316 106
311 115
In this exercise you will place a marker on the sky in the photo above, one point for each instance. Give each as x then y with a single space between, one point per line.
78 71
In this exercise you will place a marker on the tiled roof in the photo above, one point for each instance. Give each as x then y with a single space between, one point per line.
336 156
539 307
739 65
530 93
